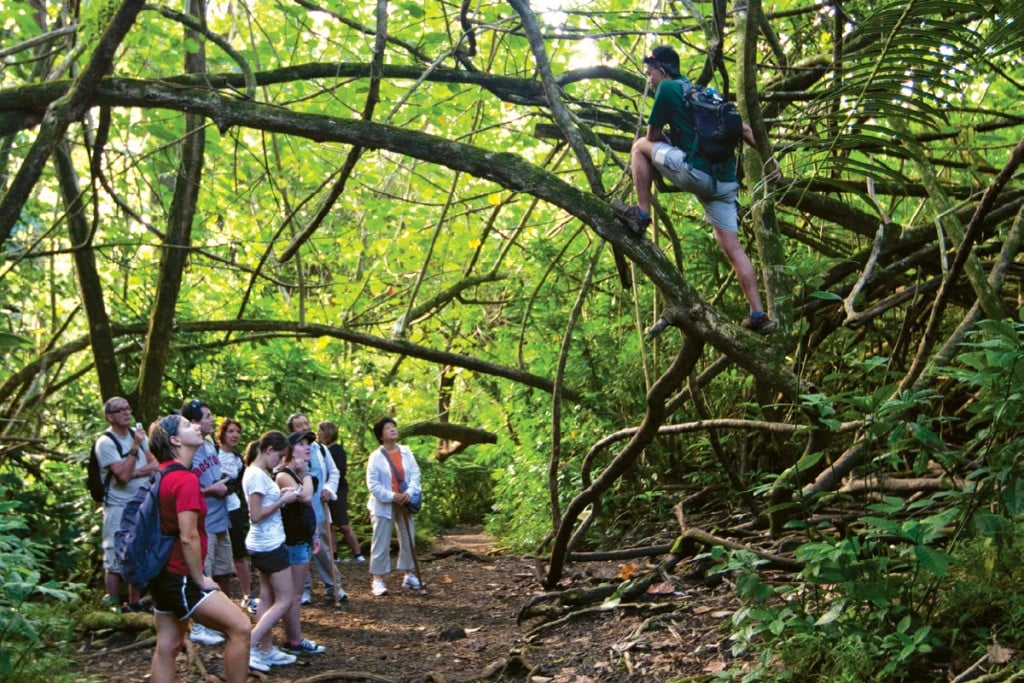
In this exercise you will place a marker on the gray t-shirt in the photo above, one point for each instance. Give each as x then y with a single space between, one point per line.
206 465
106 453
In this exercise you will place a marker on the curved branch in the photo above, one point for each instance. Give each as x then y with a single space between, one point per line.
190 23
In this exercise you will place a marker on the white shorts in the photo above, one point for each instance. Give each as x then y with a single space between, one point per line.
717 198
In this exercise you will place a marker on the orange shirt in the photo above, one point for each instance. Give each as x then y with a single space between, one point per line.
395 457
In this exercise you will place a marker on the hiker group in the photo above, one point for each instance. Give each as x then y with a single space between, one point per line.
184 516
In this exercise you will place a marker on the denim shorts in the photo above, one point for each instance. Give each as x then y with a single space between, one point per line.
717 198
299 554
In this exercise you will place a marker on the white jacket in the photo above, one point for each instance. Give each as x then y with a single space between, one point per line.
379 478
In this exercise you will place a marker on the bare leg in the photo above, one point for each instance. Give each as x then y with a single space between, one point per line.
170 635
219 613
729 242
292 620
351 540
642 169
276 596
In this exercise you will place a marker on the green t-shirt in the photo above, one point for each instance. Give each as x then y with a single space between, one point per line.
670 109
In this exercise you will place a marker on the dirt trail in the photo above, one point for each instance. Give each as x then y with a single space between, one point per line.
463 627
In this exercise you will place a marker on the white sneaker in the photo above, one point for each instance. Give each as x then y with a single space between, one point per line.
306 600
360 559
250 604
411 582
275 657
379 587
204 636
257 661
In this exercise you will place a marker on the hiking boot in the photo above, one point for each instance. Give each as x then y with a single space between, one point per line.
304 647
411 582
342 595
762 324
257 661
631 216
379 587
204 636
275 657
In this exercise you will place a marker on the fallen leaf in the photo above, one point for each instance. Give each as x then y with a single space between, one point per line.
626 572
663 588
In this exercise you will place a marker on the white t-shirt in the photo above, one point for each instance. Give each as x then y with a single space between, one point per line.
230 465
268 533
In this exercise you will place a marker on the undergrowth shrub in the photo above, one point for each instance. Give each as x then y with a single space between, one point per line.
35 611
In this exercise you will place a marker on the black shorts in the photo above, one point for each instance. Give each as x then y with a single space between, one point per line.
175 594
271 562
239 528
339 509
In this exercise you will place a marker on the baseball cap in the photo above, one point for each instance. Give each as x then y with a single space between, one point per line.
664 57
296 437
193 410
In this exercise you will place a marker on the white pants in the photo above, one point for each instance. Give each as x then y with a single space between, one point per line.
380 545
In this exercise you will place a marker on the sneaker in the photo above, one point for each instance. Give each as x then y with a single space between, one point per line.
275 657
631 216
342 595
110 601
379 587
204 636
250 604
360 559
306 600
305 647
257 660
762 324
411 582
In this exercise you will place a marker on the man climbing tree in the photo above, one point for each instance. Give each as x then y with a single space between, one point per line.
679 156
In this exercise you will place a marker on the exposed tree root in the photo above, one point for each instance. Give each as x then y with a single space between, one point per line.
462 553
339 675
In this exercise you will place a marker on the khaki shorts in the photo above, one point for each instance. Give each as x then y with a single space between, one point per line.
111 523
219 559
717 198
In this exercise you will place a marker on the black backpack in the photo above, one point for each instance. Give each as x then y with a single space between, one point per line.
95 480
718 128
140 545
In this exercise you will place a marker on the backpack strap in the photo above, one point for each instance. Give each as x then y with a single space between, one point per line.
394 470
109 475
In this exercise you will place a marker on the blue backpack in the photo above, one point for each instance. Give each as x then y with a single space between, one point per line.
140 545
718 126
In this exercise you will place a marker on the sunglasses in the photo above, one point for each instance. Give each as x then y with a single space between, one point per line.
124 409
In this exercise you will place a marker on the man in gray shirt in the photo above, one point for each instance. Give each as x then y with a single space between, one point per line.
125 464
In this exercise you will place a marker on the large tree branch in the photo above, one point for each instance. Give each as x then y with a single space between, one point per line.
61 113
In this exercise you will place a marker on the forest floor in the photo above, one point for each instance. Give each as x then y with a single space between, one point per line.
463 627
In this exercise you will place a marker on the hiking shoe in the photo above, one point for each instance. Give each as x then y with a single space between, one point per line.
304 647
631 216
204 636
250 604
257 661
342 595
306 600
379 587
411 582
275 657
110 602
761 325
